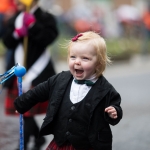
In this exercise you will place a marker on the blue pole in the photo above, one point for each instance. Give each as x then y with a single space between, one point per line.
19 72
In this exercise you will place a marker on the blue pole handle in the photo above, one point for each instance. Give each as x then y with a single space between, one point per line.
20 72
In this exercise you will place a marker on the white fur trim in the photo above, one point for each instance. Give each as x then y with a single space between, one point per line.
19 20
35 70
19 54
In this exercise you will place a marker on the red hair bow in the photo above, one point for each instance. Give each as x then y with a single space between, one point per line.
76 37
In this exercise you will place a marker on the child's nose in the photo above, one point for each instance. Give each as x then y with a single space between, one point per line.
77 61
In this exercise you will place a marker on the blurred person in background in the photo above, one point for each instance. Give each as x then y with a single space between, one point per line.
82 19
129 20
39 29
146 28
7 10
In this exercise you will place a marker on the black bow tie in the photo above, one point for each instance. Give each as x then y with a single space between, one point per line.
87 82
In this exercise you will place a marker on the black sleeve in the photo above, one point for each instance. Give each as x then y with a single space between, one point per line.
38 94
114 99
44 31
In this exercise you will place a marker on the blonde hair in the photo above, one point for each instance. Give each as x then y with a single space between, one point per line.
100 46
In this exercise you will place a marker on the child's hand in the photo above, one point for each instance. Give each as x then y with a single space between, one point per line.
111 112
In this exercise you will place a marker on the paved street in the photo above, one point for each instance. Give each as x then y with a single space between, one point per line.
132 80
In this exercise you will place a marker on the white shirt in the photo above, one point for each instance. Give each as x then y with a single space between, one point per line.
79 91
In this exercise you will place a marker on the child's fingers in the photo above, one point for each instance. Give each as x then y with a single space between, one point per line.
111 111
16 112
114 116
108 109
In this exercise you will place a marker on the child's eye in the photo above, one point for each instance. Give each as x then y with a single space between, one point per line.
72 56
85 58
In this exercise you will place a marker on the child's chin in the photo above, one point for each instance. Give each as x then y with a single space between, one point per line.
79 78
79 75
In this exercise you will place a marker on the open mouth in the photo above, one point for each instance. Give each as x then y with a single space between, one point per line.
79 72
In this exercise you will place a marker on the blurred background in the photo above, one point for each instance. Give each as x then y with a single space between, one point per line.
125 25
122 23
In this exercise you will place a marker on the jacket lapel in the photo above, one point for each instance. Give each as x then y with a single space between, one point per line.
63 82
101 87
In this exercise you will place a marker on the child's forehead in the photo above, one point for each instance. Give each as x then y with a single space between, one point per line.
82 47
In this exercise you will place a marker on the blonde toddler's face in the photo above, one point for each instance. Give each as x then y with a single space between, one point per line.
82 60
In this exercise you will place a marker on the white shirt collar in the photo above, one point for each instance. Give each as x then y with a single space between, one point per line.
79 91
93 78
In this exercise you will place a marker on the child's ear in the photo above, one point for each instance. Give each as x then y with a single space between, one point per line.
98 65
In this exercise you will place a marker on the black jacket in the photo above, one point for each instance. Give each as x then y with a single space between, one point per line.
40 35
99 134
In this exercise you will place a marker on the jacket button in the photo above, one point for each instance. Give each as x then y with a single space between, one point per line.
73 108
67 133
70 120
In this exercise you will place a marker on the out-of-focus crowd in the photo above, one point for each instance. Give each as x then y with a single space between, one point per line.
27 31
122 21
125 20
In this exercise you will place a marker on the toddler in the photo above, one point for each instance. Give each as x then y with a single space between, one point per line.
82 103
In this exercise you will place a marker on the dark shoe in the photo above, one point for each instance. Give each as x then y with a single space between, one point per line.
39 143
